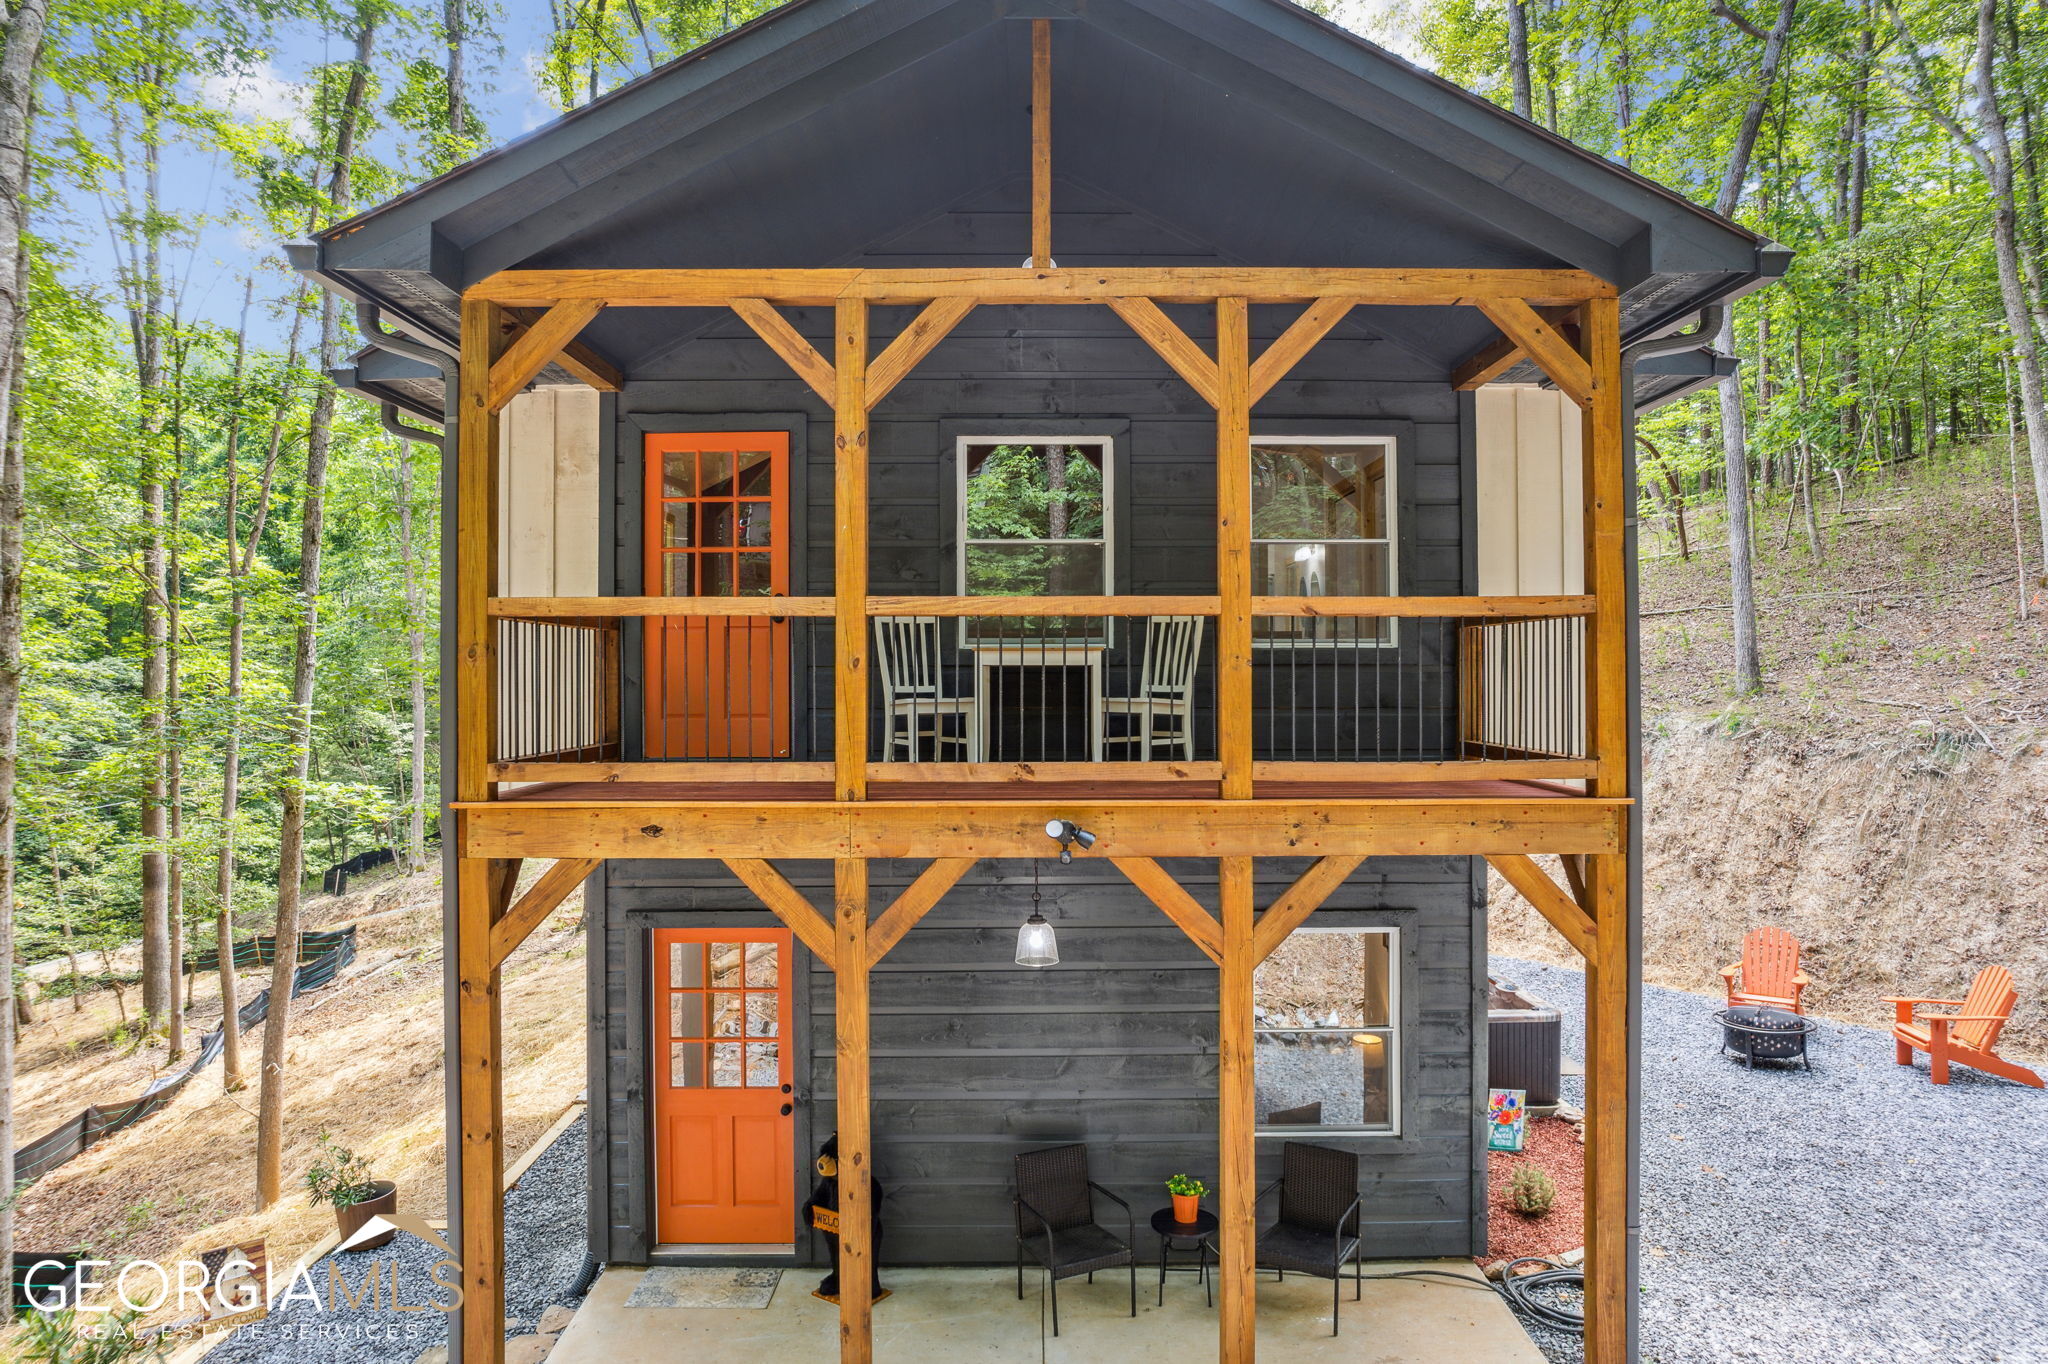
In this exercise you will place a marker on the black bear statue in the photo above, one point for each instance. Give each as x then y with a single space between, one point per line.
821 1213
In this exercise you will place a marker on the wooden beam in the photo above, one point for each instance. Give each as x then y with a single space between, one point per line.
1575 875
584 364
912 344
1604 482
1462 608
540 901
1236 1159
856 1159
1297 902
1503 353
1174 901
537 346
1552 903
1432 826
1297 341
1608 1130
607 609
1041 144
787 903
1448 770
1551 352
1042 606
476 554
1171 284
504 879
850 550
914 903
1105 776
789 343
1234 547
1173 345
479 1148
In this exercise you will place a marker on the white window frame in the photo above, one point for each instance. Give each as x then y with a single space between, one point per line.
1107 539
1393 1032
1392 541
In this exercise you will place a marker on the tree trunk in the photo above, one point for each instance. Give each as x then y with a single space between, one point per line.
174 748
1734 446
1518 55
18 62
292 820
454 23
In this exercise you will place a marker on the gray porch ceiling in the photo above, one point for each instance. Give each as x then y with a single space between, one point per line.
1252 131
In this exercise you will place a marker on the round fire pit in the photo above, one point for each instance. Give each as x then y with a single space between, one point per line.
1758 1034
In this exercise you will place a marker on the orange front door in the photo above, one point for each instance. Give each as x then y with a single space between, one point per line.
717 508
724 1140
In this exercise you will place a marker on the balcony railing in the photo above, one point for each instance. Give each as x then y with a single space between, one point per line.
999 690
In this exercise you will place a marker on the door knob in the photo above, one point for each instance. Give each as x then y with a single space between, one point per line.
786 1089
787 1109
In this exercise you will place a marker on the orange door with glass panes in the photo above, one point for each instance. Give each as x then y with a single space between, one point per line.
724 1137
718 526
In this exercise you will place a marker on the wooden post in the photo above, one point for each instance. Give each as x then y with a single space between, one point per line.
480 1141
1234 547
1607 1001
1041 144
1237 1165
850 550
856 1218
480 1147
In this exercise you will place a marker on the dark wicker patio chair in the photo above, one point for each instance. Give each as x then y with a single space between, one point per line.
1055 1207
1318 1227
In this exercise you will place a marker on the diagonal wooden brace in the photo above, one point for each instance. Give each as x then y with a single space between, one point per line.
1550 900
788 904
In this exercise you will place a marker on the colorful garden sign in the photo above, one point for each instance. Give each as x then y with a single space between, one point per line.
1507 1119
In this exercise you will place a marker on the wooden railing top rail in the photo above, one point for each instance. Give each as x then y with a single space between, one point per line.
599 610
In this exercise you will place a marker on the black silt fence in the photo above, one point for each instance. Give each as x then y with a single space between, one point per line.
336 949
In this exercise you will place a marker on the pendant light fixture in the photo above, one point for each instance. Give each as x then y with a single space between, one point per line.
1036 945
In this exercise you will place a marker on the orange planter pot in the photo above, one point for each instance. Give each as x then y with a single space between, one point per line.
1185 1207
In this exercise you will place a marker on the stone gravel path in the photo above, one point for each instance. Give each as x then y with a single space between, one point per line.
544 1249
1859 1212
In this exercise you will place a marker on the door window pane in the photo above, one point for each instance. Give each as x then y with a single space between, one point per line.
761 1015
728 960
677 576
676 519
764 1066
686 1065
757 523
725 1065
714 469
756 473
686 964
764 967
714 577
725 1015
718 524
686 1014
679 474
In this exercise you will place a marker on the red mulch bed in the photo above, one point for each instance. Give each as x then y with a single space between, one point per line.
1554 1147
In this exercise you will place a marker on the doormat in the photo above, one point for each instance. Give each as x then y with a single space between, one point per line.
704 1286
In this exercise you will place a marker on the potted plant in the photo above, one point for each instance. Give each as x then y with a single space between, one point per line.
341 1178
1187 1194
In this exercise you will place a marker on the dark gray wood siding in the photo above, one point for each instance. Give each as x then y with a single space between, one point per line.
975 1059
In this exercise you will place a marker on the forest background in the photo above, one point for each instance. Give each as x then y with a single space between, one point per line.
218 578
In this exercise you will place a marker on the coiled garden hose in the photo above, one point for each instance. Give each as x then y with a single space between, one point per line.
1521 1291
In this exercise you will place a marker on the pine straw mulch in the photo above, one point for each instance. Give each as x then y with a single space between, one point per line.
1553 1146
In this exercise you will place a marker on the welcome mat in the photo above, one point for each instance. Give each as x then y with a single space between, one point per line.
704 1286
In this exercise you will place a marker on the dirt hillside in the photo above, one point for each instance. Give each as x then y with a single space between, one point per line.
365 1066
1886 797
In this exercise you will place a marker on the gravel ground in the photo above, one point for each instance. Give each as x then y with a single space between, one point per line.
544 1248
1859 1212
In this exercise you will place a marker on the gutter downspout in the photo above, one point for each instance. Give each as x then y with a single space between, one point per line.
1701 332
370 321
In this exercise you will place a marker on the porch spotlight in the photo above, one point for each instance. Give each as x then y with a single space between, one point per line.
1036 945
1067 833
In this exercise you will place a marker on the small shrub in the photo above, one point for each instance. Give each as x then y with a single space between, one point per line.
1187 1186
60 1337
339 1176
1531 1191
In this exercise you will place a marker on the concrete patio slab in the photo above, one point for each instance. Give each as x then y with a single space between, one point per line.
946 1316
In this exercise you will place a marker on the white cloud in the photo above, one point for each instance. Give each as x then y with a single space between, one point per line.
258 92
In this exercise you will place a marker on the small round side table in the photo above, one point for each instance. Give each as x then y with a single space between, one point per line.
1199 1231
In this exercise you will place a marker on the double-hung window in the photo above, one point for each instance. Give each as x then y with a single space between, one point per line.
1035 518
1326 1034
1323 526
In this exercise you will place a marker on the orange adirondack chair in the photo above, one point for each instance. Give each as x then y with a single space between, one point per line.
1769 969
1966 1037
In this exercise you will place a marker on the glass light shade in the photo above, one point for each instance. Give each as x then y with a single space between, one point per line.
1036 945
